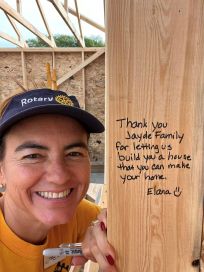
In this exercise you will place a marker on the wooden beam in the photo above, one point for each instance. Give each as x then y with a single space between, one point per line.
56 49
19 6
79 20
66 5
59 7
24 72
104 9
202 246
80 66
9 38
154 133
87 20
13 13
83 82
45 22
13 24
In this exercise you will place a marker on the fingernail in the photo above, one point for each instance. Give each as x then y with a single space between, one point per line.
103 227
110 260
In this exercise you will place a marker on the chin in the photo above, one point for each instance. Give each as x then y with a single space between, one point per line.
53 219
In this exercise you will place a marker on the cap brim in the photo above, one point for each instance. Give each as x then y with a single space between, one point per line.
87 120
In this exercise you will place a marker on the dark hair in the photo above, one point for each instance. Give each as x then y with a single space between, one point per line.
2 148
3 106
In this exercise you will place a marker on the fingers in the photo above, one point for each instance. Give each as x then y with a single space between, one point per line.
102 243
103 217
89 245
78 260
96 247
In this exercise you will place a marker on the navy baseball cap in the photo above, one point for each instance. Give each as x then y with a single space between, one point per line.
41 101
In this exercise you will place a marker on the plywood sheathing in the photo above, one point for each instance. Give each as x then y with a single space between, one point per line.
94 100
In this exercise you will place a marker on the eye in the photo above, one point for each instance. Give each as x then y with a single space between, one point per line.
32 156
78 153
74 154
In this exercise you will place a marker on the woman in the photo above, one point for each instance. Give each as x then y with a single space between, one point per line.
45 169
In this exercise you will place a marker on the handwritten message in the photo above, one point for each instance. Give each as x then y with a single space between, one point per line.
147 153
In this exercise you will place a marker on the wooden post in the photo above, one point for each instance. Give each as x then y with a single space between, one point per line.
155 121
83 79
24 72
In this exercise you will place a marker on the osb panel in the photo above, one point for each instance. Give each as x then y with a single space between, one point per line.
95 86
36 68
65 63
10 66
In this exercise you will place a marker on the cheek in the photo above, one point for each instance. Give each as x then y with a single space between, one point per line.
21 177
86 172
83 175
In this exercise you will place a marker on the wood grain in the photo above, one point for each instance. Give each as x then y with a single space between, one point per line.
155 73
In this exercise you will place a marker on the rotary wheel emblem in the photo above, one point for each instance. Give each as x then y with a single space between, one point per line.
64 100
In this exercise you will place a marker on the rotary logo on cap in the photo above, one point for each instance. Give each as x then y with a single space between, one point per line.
64 100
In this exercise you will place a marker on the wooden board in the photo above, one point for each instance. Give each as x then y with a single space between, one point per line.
155 122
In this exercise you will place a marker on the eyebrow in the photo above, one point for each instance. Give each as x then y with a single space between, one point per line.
77 144
42 147
30 145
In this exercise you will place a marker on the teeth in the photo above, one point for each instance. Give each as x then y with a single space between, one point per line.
61 194
45 194
64 194
54 195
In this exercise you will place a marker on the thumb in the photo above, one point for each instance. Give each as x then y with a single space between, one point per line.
78 260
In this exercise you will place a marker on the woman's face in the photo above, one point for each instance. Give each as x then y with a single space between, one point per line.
46 168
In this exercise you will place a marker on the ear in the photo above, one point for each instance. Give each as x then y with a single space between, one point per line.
2 180
2 175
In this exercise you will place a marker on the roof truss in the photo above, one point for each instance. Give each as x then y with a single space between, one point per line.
63 10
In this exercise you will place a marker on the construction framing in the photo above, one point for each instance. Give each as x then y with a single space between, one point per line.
63 10
15 15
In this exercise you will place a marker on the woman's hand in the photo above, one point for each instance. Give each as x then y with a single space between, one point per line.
95 246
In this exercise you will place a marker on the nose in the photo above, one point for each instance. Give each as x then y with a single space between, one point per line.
58 172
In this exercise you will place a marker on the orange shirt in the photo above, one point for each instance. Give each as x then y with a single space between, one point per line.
18 255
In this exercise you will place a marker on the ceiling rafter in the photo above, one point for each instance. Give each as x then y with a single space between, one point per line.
13 24
17 16
87 20
60 8
19 6
66 5
9 38
45 21
78 18
14 15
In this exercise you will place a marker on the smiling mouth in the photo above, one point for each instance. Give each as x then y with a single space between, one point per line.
55 195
